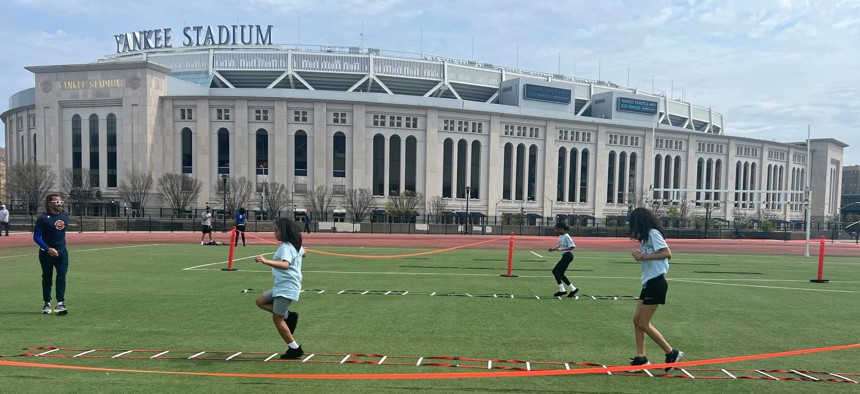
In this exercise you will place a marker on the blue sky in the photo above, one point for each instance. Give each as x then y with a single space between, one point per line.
770 67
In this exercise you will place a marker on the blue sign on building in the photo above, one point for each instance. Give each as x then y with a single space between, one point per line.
546 93
637 106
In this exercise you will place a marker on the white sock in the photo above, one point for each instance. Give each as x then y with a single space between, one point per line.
572 287
561 287
61 303
293 345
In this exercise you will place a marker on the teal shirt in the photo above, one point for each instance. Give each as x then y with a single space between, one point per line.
653 268
288 282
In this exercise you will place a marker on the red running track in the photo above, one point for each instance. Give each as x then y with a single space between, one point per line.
424 241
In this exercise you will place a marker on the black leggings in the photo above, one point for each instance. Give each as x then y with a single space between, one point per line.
240 229
561 266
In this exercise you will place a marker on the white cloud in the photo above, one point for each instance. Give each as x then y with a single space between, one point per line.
770 67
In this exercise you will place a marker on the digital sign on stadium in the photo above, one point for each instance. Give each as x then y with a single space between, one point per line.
637 106
546 93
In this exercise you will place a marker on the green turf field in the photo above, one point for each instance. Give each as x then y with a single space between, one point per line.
146 297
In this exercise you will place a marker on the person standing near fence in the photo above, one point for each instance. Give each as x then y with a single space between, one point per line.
241 217
206 225
654 254
50 234
4 220
306 219
566 246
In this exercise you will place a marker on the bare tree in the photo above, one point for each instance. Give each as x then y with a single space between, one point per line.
435 206
75 184
135 189
30 182
358 203
276 198
178 190
404 205
319 202
238 193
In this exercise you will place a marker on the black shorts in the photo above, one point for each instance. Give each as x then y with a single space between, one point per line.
654 291
206 229
240 227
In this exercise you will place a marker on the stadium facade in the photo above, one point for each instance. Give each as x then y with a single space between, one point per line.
351 117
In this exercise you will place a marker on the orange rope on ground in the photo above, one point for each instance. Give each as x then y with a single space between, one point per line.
464 375
392 256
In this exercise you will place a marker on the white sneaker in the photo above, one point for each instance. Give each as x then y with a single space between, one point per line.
61 309
46 309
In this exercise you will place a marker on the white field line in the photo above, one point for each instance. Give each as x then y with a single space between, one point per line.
223 262
767 287
691 280
536 254
36 252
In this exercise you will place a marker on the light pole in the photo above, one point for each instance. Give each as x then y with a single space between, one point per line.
468 218
224 214
293 198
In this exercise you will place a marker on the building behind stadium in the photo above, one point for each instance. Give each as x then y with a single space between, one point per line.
511 141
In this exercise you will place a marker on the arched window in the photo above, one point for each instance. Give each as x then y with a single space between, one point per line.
394 166
738 182
111 151
533 169
338 155
506 172
261 145
378 165
35 158
521 163
94 150
77 155
462 146
700 168
301 153
187 151
223 151
668 173
610 185
583 176
447 168
658 178
676 174
631 178
411 163
562 171
718 178
622 178
475 172
572 174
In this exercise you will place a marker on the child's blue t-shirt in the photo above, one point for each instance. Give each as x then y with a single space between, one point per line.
565 241
288 282
653 268
240 219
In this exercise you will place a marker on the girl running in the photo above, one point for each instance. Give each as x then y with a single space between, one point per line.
565 245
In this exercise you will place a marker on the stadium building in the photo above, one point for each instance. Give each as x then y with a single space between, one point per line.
223 100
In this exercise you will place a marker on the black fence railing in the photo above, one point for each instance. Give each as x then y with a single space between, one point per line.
443 224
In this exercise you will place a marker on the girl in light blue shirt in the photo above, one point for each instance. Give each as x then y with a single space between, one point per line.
565 246
654 254
287 274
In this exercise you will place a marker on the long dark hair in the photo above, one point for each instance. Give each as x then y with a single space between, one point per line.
289 231
562 226
641 221
48 199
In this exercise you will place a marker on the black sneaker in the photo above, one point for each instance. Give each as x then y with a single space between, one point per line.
292 320
672 357
292 354
46 309
572 293
61 309
639 360
559 294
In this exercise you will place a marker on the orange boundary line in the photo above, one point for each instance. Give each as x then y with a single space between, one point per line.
391 256
464 375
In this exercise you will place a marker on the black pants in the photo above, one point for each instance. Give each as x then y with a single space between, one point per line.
240 229
61 263
6 227
307 227
561 266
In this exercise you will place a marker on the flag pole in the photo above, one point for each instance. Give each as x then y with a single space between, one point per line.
808 194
